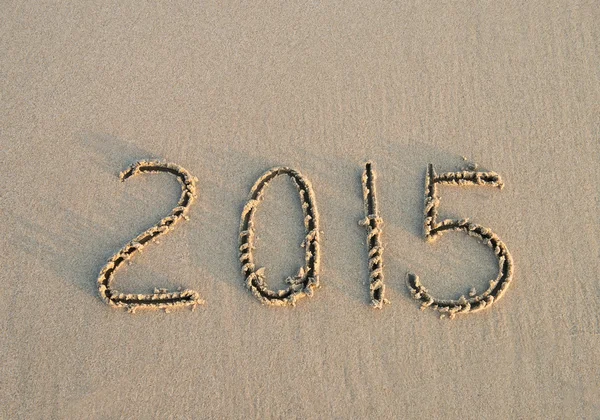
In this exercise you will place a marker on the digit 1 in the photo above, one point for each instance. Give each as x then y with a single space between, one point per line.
373 223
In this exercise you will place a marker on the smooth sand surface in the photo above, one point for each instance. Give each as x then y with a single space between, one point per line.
230 90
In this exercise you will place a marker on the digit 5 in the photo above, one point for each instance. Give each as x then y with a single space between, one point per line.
434 229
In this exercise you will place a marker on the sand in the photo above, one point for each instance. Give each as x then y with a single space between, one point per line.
229 91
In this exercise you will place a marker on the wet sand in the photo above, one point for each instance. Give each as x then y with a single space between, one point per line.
229 91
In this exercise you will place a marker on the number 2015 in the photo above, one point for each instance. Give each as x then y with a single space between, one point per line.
306 281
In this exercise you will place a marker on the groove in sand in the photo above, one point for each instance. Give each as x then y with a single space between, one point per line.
434 229
374 224
307 279
160 299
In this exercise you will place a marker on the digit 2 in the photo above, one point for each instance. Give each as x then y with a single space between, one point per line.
160 299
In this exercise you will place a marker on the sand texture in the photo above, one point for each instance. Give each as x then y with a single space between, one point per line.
248 127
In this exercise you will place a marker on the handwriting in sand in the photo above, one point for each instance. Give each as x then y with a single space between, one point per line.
306 280
161 298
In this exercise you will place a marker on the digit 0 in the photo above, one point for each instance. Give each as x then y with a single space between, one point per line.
307 279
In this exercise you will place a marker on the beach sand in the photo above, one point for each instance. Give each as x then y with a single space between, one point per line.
228 91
